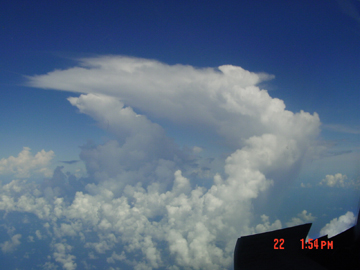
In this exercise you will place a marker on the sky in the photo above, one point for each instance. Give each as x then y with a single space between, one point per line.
152 134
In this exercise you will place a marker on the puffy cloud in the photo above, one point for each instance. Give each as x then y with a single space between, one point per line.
38 234
10 246
338 225
24 197
49 266
197 149
334 180
266 226
24 165
301 218
115 257
142 197
61 255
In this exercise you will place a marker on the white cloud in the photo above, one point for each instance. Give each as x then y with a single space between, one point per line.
115 257
338 225
141 146
334 180
266 226
61 255
10 246
24 165
49 266
197 149
142 198
223 100
38 234
20 196
301 218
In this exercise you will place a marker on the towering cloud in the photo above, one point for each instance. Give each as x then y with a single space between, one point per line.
225 100
142 205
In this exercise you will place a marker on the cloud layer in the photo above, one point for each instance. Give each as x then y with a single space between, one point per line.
141 204
25 164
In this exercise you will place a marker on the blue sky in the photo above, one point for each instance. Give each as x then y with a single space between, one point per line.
198 121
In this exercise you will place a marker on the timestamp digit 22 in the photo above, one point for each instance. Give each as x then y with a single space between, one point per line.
277 241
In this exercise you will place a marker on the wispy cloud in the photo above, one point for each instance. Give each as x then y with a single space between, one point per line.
341 128
349 8
70 162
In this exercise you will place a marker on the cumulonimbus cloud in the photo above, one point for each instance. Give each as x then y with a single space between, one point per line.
225 99
141 199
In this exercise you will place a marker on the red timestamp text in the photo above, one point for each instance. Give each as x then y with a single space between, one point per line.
279 243
315 244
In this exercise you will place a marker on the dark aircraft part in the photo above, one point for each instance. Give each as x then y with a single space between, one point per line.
287 249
